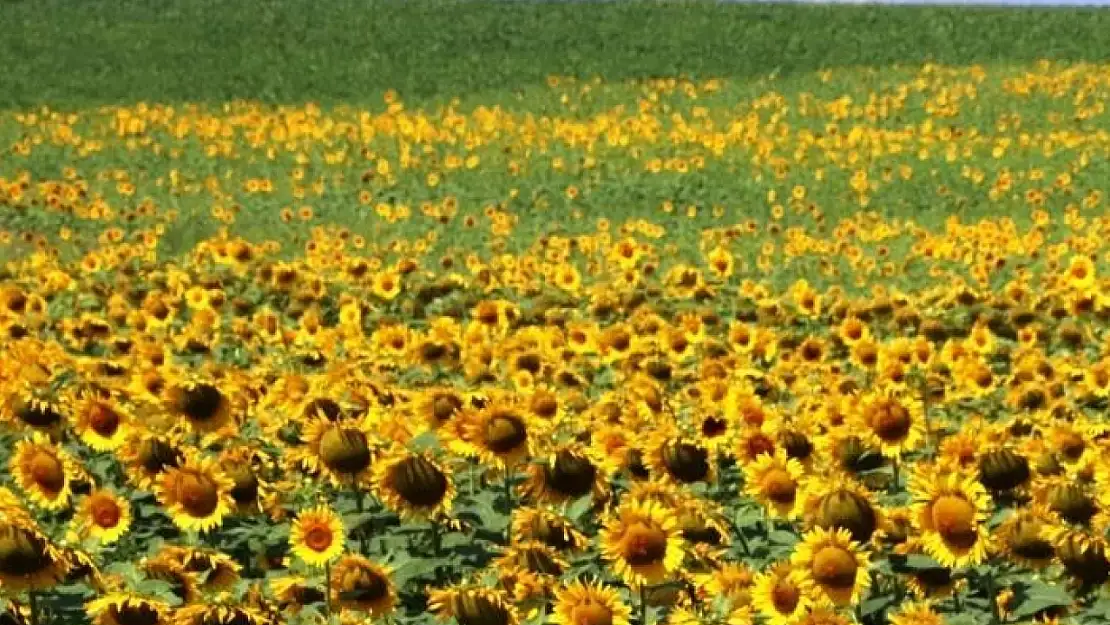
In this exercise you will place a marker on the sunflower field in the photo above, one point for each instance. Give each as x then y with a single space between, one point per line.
819 348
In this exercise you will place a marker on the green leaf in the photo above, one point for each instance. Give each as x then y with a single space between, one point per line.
427 440
580 508
1039 596
782 537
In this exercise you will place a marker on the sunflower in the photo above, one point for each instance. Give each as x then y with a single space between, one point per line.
414 486
894 420
293 593
1022 536
1083 554
833 566
500 434
243 466
473 605
916 613
437 406
317 536
588 603
732 580
951 511
548 527
121 608
197 495
102 423
774 480
200 404
678 458
147 456
28 560
344 452
840 502
166 568
779 595
43 472
568 473
218 614
1074 502
103 515
215 570
642 543
1080 273
359 584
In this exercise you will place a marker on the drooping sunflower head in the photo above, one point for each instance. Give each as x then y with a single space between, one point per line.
548 527
568 473
833 566
121 608
840 502
1023 537
951 512
416 486
293 593
218 614
200 404
359 584
43 471
589 603
534 557
1003 469
28 560
197 495
104 516
317 536
215 570
642 542
244 466
473 605
343 451
1073 501
678 458
147 456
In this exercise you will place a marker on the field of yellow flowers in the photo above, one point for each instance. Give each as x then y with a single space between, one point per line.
811 350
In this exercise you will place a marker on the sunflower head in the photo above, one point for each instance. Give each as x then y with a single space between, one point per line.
197 495
589 603
120 608
843 503
833 565
360 584
414 485
473 605
202 405
642 542
569 473
28 561
1003 469
545 526
951 511
103 515
779 594
317 536
43 471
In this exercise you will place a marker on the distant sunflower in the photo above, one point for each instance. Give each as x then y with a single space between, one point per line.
121 608
568 473
589 603
775 481
104 516
779 595
642 543
834 567
197 495
43 471
473 605
535 557
416 486
317 536
951 512
359 584
916 613
28 560
1083 554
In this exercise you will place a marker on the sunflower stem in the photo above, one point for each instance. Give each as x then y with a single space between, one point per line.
989 589
33 597
894 467
437 551
327 590
360 506
925 413
643 605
